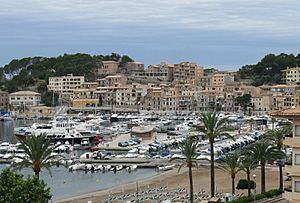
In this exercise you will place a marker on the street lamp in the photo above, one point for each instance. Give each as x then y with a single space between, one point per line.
254 176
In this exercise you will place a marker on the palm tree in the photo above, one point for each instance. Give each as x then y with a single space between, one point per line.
38 153
251 124
247 165
263 152
273 120
231 163
276 137
188 148
214 127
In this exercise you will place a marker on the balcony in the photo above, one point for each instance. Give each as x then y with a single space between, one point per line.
292 141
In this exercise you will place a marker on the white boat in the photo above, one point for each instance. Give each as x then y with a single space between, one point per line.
166 168
98 167
119 167
108 167
77 166
131 168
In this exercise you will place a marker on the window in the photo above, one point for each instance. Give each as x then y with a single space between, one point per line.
297 186
297 159
297 130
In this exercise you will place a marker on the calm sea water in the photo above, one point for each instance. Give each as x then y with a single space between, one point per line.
65 184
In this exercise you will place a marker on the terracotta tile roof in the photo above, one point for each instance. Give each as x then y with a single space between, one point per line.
292 112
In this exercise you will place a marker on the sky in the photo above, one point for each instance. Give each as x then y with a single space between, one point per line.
224 34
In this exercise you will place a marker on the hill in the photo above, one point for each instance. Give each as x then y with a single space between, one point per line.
268 70
31 71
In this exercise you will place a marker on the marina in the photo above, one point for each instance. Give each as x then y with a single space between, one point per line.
118 156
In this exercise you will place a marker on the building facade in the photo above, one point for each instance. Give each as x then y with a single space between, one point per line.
24 99
3 100
65 85
187 72
291 75
107 68
292 141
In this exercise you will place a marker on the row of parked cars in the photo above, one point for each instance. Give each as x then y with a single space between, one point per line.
131 142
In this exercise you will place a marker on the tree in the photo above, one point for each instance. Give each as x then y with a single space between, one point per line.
231 163
38 153
214 127
244 101
14 188
268 70
276 137
188 148
248 164
263 152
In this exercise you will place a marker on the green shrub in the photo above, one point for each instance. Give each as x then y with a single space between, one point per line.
268 194
243 184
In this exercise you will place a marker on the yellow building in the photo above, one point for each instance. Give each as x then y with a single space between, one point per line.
291 75
84 98
65 85
294 142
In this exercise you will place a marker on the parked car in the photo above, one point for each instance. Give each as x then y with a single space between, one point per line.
123 144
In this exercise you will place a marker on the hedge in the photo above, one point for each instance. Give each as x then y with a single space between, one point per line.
269 194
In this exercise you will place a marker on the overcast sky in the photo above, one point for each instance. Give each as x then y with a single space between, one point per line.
214 33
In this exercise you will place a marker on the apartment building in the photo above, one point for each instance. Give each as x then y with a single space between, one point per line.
162 72
292 141
204 81
186 72
84 97
129 96
24 99
221 79
89 85
132 67
113 80
291 75
65 85
107 68
261 104
3 100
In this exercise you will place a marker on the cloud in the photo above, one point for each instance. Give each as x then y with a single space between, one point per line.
277 17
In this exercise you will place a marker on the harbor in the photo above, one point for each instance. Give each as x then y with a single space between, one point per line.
120 154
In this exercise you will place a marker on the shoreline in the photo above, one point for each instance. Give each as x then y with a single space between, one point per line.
173 180
107 190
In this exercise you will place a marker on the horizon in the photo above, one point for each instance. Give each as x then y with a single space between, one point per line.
212 33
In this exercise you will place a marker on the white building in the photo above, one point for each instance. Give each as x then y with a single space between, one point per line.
25 98
65 85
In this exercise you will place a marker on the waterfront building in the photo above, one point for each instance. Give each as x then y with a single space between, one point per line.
42 111
24 99
292 141
291 75
3 100
65 85
84 97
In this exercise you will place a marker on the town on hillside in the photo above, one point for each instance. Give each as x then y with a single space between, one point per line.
162 88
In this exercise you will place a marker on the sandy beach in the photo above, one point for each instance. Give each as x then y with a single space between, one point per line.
172 179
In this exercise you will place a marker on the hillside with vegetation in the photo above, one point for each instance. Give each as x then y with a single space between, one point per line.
32 73
268 70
